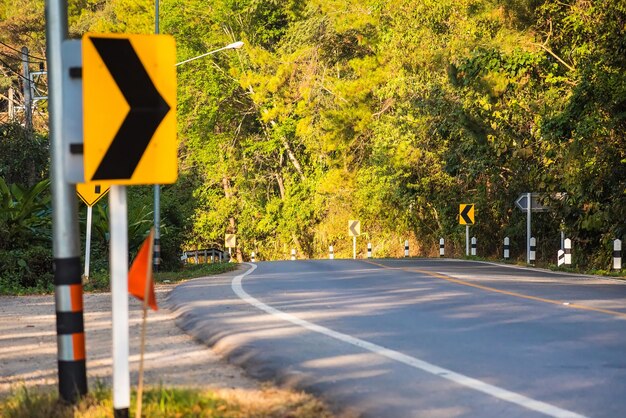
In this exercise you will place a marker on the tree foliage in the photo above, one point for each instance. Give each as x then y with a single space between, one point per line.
391 112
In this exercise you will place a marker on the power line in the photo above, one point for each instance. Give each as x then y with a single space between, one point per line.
20 75
10 56
17 50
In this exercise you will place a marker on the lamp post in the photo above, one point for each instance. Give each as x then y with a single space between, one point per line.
157 187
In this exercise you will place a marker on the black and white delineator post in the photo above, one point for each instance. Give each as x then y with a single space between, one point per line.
473 246
406 248
442 249
252 258
568 252
119 293
560 258
617 254
507 248
533 250
293 254
369 250
331 253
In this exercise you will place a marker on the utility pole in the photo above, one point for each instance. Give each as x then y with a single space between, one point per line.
65 234
11 105
157 187
28 100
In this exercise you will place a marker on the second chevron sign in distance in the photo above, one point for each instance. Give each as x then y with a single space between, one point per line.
466 214
129 109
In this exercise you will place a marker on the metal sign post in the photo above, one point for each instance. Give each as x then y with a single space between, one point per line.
119 295
88 242
466 217
90 194
528 226
354 230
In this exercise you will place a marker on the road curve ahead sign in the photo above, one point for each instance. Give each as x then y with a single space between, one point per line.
129 109
466 214
354 228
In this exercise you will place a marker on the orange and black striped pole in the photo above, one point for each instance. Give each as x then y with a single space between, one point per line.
65 231
70 329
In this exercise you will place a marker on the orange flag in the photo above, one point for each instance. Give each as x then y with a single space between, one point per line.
140 280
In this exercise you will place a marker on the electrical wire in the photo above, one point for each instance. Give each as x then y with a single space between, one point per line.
10 56
20 75
17 50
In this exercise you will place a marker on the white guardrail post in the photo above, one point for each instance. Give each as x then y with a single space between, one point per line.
617 254
568 252
473 246
507 248
442 250
533 250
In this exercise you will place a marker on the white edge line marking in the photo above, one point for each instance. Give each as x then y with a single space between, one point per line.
458 378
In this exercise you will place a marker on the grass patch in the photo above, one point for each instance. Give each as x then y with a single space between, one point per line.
169 402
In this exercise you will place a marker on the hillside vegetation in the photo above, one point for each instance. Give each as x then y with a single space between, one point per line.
391 112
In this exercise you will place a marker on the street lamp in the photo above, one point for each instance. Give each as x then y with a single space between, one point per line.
234 45
157 187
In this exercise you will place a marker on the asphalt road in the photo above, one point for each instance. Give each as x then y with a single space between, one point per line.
421 337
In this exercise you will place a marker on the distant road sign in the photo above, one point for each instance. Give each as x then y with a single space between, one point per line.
91 193
129 109
354 228
466 214
230 240
535 205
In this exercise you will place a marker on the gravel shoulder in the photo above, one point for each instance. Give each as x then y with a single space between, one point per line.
28 349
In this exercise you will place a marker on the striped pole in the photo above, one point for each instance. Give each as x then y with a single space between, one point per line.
157 249
406 248
293 254
617 254
369 250
568 252
442 250
533 250
331 253
560 258
507 248
252 258
70 328
474 246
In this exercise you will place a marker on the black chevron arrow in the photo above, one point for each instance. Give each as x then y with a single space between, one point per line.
465 214
147 109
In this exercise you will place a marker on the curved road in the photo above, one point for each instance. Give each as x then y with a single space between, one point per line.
421 337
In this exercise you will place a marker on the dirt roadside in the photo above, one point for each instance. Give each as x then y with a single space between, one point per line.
28 348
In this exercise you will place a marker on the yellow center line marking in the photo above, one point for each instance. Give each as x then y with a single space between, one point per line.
503 292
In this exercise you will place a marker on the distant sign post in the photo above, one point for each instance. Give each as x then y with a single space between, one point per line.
230 241
354 230
529 202
90 194
466 217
